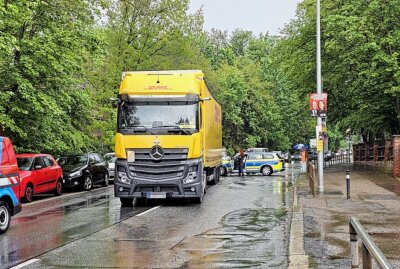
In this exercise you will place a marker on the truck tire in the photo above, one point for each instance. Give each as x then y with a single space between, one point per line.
126 202
5 217
216 174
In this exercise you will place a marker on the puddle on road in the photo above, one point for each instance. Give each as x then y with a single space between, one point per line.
249 238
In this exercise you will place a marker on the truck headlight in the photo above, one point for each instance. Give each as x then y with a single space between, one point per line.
122 177
191 177
76 174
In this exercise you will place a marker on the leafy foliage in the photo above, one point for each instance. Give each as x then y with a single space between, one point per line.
60 62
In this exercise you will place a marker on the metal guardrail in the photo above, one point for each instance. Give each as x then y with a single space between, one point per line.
369 248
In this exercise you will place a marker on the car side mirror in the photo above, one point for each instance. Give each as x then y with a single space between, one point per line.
38 167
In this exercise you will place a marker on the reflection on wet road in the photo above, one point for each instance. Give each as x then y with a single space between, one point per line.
249 238
46 225
243 223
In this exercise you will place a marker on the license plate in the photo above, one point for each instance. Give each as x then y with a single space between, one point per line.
156 195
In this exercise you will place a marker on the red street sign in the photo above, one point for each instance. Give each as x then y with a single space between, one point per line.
318 104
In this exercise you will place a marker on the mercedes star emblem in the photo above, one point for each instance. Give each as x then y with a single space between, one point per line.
156 153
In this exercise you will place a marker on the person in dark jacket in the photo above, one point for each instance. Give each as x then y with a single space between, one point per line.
241 164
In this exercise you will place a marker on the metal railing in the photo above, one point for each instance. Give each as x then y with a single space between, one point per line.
369 248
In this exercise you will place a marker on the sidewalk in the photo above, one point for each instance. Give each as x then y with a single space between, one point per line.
375 201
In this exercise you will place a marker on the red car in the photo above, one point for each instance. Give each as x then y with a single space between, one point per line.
39 173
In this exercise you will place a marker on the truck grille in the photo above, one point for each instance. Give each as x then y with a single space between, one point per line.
172 165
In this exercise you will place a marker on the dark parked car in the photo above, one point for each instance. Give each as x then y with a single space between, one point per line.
312 155
84 170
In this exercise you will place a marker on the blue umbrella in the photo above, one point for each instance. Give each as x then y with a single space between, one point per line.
300 147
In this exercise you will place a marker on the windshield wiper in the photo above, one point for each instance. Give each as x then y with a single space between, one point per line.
176 128
134 128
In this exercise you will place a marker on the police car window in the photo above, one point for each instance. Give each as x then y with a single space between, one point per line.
256 156
268 156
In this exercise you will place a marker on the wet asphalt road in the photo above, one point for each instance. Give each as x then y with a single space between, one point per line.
242 223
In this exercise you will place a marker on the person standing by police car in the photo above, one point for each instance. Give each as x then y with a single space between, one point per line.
241 160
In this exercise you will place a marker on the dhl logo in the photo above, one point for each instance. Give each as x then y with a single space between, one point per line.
158 87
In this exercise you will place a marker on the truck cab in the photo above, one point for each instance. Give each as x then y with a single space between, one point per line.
9 184
169 136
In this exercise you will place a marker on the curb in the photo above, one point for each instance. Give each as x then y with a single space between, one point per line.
297 256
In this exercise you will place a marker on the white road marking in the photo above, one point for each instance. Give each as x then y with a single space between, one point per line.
147 211
25 264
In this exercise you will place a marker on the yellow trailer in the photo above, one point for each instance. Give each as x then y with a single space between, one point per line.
169 136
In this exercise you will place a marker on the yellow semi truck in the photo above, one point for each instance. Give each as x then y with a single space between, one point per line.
169 136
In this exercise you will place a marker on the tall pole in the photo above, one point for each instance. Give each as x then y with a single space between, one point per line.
319 90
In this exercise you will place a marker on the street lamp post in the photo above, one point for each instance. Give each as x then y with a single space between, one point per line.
349 139
319 90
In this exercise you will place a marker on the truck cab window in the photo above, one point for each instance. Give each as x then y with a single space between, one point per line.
159 118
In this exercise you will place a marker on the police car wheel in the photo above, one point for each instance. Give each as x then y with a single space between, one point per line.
5 217
266 170
224 171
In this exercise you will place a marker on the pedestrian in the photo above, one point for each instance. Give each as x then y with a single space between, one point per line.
241 162
304 159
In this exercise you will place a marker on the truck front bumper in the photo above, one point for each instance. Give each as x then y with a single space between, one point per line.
160 187
168 189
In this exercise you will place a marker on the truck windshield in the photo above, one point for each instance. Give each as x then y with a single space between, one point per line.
162 118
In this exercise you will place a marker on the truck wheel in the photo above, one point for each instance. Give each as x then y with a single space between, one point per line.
5 217
215 179
126 202
266 170
59 188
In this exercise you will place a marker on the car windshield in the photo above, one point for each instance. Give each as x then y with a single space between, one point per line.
75 160
158 118
24 164
112 160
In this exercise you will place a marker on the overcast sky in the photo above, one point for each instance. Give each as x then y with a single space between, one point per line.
258 16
